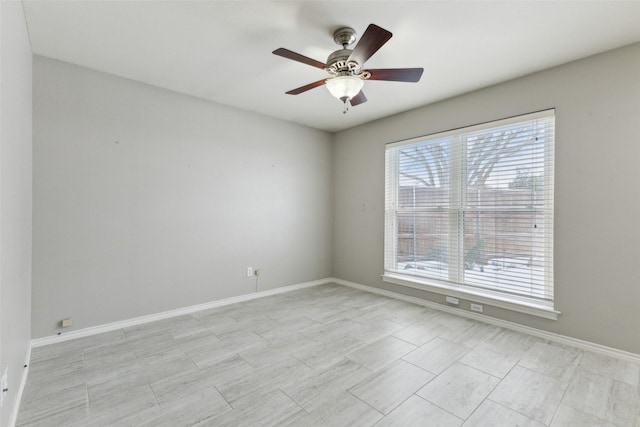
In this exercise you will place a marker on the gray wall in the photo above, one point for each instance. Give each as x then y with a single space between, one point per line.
146 200
597 200
15 198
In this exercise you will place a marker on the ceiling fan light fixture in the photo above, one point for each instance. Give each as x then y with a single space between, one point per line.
344 87
345 66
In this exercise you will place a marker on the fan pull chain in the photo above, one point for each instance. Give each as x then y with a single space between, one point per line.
346 106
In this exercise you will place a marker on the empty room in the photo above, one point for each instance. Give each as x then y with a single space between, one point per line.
306 213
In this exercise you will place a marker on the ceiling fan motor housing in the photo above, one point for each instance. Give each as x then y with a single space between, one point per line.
338 63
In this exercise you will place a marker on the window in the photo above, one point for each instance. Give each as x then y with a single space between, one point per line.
469 213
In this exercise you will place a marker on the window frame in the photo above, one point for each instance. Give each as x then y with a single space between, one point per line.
495 298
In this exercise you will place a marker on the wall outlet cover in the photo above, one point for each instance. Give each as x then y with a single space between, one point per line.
452 300
476 307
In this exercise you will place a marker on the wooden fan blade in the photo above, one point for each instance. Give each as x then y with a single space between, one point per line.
358 99
305 88
373 39
411 75
286 53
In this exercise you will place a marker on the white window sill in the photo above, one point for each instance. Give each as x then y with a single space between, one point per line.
472 295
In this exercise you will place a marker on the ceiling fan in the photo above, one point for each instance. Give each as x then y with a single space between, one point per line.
345 65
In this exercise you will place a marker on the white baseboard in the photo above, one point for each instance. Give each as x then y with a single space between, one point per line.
550 336
23 381
85 332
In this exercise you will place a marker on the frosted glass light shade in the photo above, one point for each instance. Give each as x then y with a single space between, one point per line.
344 87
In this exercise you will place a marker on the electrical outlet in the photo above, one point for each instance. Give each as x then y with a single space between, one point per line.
476 307
452 300
66 322
249 271
4 386
256 272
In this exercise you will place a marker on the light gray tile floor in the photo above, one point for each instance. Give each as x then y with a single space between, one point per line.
325 356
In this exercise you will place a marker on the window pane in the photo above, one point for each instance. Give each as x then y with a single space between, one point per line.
422 243
505 199
504 250
423 217
424 175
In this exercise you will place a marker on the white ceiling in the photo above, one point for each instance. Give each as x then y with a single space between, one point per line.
221 50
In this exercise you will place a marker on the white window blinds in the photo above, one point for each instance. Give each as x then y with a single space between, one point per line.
473 208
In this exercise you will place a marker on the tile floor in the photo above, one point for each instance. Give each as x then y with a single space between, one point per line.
325 356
